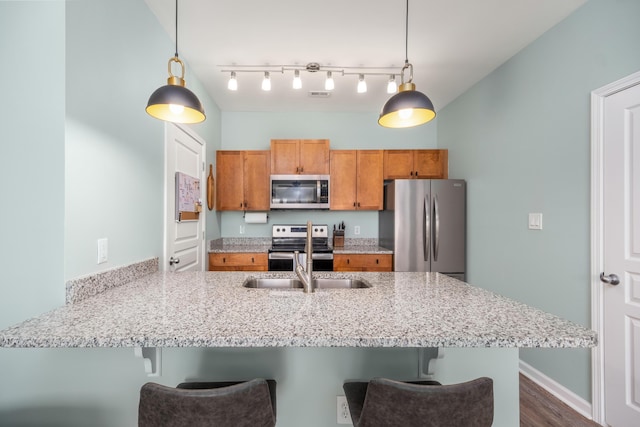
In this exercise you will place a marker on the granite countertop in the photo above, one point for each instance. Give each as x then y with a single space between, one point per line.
257 244
213 309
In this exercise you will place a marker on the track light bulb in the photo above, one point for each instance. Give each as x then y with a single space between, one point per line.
328 83
233 83
266 83
297 82
392 87
362 85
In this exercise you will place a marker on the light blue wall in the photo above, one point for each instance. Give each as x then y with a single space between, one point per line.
99 60
520 138
254 131
114 149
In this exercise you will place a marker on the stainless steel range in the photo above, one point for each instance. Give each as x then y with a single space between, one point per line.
288 238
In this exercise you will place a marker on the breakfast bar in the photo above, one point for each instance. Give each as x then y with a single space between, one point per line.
477 332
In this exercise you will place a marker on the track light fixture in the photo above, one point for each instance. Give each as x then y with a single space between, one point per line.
408 107
297 81
331 71
329 84
392 87
266 82
362 85
174 102
233 82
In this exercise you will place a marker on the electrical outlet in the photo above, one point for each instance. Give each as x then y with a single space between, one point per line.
344 416
242 229
356 230
103 251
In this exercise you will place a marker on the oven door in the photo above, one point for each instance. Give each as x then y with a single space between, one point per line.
283 261
280 261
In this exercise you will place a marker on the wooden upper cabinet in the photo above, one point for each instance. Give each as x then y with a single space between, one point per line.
356 180
300 156
423 164
257 191
242 180
229 180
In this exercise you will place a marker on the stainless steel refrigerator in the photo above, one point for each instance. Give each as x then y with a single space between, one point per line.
424 223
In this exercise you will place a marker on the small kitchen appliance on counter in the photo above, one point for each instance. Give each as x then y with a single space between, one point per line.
288 238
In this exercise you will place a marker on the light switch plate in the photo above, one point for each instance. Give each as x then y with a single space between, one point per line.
535 221
103 250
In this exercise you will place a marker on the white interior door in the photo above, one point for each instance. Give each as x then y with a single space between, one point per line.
184 240
621 244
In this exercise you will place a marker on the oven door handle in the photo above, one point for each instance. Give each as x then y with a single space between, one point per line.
281 255
321 256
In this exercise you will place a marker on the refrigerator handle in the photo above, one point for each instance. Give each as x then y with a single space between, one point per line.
436 228
426 243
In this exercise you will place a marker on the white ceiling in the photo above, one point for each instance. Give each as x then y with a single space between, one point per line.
452 45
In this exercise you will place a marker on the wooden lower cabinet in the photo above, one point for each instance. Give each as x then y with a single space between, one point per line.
238 262
362 262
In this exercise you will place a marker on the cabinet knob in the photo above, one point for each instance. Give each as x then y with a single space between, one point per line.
411 173
377 261
354 204
252 261
348 260
358 204
224 260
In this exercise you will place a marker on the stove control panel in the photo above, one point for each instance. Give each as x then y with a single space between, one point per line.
293 230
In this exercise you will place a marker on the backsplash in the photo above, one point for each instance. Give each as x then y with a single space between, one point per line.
87 286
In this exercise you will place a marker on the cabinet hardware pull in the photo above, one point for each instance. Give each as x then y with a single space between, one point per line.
377 261
358 204
348 260
354 204
224 260
301 169
252 261
411 173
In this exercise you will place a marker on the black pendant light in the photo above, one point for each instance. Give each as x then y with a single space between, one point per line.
408 107
174 102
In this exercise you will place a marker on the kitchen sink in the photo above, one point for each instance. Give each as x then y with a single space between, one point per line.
320 283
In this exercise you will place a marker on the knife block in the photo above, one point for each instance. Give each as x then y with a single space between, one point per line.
338 239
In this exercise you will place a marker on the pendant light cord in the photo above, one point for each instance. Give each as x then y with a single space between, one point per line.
406 36
177 27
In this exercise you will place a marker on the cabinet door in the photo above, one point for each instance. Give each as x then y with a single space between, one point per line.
342 262
362 262
375 262
238 262
229 181
285 154
398 164
432 164
256 180
342 191
370 186
314 156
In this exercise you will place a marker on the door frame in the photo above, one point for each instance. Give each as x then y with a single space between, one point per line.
598 97
203 179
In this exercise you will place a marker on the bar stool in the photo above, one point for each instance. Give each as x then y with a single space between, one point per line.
385 402
201 404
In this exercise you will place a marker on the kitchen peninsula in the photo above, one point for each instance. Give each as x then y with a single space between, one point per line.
479 331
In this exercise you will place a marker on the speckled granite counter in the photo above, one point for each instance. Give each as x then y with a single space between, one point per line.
239 245
212 309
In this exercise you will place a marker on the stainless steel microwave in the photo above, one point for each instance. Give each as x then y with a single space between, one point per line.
299 191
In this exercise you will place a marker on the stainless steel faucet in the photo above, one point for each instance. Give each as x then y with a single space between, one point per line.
306 276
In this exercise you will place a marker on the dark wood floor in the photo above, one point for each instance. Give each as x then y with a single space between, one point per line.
538 407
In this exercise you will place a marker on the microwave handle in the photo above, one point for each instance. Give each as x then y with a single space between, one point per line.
318 186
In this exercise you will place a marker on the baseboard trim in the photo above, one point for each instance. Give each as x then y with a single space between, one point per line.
576 402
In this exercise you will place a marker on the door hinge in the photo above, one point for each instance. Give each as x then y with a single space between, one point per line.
203 167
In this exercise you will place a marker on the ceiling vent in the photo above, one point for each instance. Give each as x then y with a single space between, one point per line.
319 94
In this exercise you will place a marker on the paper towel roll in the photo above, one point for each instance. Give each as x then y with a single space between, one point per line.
255 217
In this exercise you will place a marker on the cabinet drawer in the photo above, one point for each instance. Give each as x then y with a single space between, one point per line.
362 262
238 261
